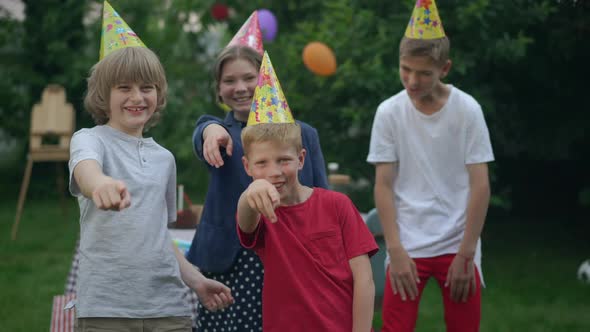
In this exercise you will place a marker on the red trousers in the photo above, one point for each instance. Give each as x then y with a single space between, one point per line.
401 316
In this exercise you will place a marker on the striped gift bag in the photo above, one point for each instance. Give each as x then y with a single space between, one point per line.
62 318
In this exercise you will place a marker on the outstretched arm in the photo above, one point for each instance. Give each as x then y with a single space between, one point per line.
106 192
364 293
212 294
461 275
403 273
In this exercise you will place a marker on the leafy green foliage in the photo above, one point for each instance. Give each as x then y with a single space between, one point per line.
523 60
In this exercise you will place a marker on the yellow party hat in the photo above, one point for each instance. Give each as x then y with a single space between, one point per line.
249 34
269 104
116 34
425 22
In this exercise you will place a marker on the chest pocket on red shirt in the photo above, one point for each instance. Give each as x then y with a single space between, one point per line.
327 247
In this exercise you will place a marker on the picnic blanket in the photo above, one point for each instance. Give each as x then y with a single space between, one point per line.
62 318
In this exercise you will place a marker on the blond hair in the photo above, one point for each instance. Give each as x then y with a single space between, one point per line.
436 49
127 65
232 53
284 133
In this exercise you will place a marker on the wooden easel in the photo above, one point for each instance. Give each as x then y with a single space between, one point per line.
53 117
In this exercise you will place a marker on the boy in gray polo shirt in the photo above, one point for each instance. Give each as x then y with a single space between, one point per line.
131 273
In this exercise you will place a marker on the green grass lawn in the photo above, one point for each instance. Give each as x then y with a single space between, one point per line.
529 268
34 267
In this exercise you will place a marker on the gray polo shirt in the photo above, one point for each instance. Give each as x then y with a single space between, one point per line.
127 264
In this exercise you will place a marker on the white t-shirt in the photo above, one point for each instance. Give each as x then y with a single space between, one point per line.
432 186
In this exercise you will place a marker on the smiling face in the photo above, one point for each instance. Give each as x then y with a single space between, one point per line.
279 164
237 84
131 107
120 81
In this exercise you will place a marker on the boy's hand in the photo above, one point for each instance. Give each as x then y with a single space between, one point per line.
111 194
212 294
263 198
403 274
215 136
461 277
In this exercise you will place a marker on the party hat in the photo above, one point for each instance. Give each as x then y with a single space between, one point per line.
425 22
269 104
249 34
116 34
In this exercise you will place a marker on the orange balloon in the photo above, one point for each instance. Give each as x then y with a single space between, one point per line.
319 59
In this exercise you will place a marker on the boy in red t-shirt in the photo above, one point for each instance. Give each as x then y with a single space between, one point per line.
313 243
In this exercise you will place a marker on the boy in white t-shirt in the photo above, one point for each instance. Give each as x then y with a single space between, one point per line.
430 146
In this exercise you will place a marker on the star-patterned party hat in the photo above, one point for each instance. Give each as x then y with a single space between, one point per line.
425 22
116 34
269 104
249 34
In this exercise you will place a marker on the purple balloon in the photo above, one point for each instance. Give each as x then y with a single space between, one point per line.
268 24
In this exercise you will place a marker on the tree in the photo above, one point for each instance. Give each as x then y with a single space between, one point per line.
523 60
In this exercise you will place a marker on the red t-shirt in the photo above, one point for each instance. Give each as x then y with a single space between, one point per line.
308 283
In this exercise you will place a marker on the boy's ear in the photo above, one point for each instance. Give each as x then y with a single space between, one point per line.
246 166
301 158
446 68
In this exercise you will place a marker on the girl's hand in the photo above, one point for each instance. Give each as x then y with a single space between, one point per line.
215 137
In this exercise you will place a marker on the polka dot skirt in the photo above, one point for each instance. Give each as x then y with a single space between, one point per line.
245 315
